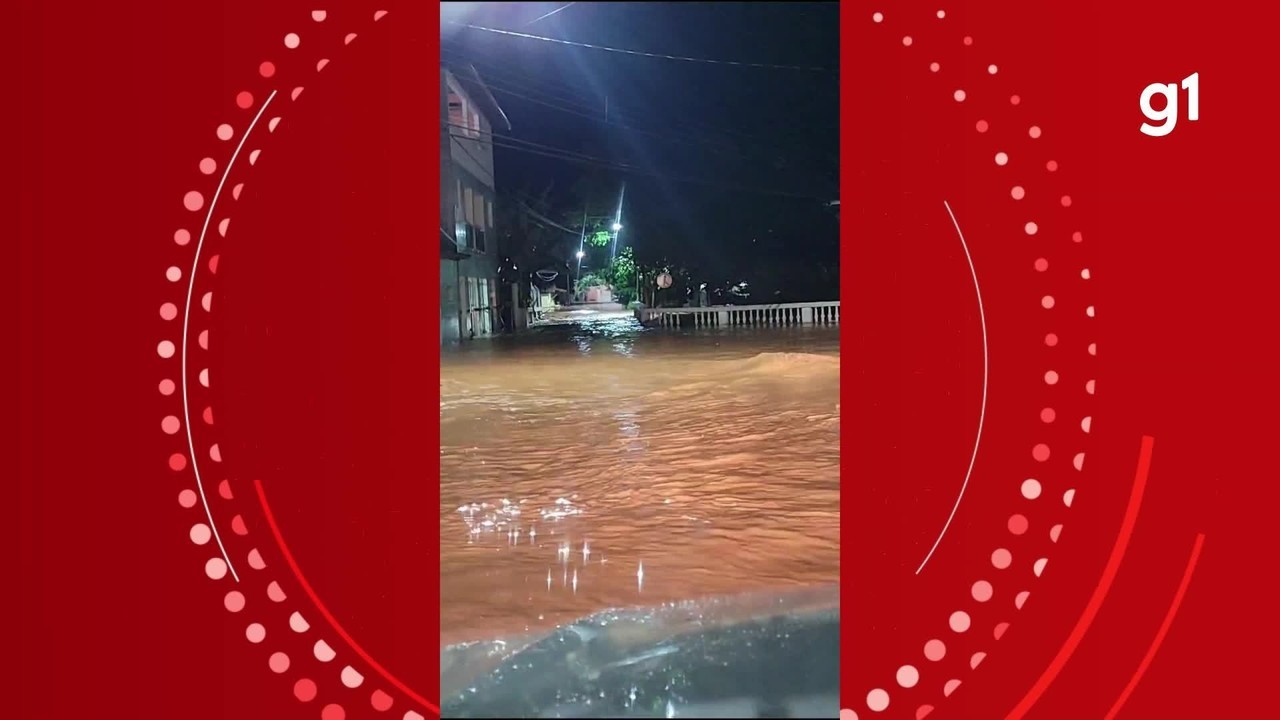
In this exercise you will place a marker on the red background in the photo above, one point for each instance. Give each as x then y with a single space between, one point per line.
1176 232
118 103
323 352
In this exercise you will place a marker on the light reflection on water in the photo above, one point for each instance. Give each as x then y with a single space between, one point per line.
598 465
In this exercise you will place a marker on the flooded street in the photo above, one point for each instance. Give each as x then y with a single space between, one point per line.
596 465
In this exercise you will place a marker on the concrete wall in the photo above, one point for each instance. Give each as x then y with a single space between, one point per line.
469 162
446 161
464 180
470 154
470 173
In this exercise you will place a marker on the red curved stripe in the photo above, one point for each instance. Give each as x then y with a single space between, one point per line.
1100 592
1164 629
306 587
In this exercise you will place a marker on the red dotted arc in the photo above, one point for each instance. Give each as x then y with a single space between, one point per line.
908 676
235 601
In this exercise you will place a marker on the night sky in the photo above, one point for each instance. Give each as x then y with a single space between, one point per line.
729 169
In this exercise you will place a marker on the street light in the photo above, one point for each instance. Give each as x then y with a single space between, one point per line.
581 254
617 227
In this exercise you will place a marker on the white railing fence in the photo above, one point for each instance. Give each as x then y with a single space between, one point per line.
812 313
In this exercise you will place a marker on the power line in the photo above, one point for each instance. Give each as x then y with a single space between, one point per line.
457 60
553 12
568 94
481 133
594 118
539 216
722 148
540 146
639 53
475 159
579 108
566 154
549 151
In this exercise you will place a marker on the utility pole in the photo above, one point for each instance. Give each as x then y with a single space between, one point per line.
581 251
617 223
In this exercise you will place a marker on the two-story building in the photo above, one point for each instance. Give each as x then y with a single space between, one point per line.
468 242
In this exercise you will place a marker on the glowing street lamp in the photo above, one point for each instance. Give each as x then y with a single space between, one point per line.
581 254
617 227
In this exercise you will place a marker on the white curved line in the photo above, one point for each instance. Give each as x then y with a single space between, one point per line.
186 324
982 415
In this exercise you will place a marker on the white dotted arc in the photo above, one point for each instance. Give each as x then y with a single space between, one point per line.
982 591
217 568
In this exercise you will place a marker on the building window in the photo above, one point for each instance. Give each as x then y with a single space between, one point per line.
479 211
463 118
458 112
468 207
481 227
490 206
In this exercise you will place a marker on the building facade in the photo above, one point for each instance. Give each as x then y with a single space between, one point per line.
468 240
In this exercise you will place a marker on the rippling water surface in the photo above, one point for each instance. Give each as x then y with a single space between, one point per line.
596 465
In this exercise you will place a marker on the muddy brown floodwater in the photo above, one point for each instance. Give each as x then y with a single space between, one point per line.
596 464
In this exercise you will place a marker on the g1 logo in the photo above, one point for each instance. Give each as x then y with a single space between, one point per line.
1168 115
